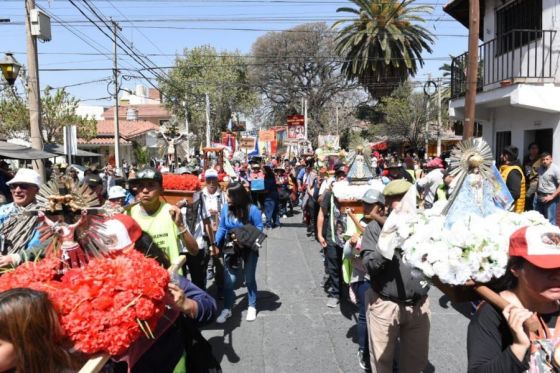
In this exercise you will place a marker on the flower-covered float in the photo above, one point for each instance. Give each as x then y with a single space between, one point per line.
109 298
179 187
463 241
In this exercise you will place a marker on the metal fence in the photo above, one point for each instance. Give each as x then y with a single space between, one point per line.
514 55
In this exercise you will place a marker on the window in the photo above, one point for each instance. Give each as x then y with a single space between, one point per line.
522 16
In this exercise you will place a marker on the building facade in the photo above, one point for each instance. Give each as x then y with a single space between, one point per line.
518 83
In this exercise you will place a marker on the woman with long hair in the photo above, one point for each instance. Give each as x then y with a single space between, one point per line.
31 339
238 212
497 339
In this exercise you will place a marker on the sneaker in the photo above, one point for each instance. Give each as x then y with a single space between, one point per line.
333 302
251 314
363 360
226 314
284 216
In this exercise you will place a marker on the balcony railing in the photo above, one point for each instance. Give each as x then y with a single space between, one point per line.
516 55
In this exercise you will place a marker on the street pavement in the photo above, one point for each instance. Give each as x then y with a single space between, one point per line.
296 332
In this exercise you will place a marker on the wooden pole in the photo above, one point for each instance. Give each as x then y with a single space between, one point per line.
472 69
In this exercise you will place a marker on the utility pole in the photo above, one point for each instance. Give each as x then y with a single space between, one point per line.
207 120
439 117
187 129
426 129
33 88
337 120
305 117
472 69
116 85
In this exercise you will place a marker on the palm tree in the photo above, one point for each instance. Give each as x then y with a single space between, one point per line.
383 44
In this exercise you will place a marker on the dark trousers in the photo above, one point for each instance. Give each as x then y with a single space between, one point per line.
312 208
217 265
197 265
333 261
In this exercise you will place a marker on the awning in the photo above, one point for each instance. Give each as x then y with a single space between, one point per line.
59 150
13 151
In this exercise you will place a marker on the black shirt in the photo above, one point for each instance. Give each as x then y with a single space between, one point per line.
488 344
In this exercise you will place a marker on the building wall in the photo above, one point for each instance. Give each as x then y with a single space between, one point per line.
522 123
524 58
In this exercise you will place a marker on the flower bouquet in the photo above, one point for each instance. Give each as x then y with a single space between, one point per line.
104 306
474 248
179 187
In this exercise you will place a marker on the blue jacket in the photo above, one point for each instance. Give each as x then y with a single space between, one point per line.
228 222
207 309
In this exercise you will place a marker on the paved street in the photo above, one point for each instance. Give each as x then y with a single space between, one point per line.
296 332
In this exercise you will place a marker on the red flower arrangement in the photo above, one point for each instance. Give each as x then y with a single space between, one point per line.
104 306
181 182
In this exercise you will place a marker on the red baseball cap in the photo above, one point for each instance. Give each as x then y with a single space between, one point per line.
539 245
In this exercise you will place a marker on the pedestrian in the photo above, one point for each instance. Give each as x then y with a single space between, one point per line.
531 165
374 207
548 188
396 171
115 200
430 183
513 175
160 220
238 212
282 182
206 205
95 184
331 224
497 339
256 181
271 199
24 187
399 308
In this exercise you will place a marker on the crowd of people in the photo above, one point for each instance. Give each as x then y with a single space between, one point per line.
222 229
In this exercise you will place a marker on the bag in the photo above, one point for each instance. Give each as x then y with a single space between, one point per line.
283 195
257 185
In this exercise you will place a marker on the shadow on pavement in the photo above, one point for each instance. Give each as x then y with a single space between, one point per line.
223 346
464 309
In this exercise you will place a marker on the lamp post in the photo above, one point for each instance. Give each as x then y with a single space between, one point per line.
10 68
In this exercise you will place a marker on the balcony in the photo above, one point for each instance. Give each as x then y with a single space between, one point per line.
519 56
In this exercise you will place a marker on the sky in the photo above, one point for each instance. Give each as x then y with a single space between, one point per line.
162 29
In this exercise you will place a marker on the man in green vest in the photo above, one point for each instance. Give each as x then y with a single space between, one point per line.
162 221
512 173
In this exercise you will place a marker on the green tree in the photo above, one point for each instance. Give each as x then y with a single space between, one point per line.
58 109
200 71
382 44
298 64
405 116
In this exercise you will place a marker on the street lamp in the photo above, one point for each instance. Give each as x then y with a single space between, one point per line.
10 68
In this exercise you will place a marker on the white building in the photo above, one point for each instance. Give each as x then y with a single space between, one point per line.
518 99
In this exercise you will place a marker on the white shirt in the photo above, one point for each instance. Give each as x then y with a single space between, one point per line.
430 184
210 202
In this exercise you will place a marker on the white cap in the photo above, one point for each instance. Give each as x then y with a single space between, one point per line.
26 176
116 191
211 173
117 233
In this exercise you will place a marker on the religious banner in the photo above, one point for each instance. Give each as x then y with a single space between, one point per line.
229 140
247 143
267 135
296 126
329 141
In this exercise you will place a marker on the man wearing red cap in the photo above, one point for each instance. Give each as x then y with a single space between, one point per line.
430 183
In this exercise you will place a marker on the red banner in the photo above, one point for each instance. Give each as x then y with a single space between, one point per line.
296 126
228 139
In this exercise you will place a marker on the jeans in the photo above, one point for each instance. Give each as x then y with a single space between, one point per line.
548 210
333 261
271 212
230 279
360 289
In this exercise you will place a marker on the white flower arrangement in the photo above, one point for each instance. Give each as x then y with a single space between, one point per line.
474 248
345 191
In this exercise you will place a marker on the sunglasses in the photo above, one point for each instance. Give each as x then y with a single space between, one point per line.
21 186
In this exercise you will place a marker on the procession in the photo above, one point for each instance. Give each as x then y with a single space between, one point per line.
323 197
